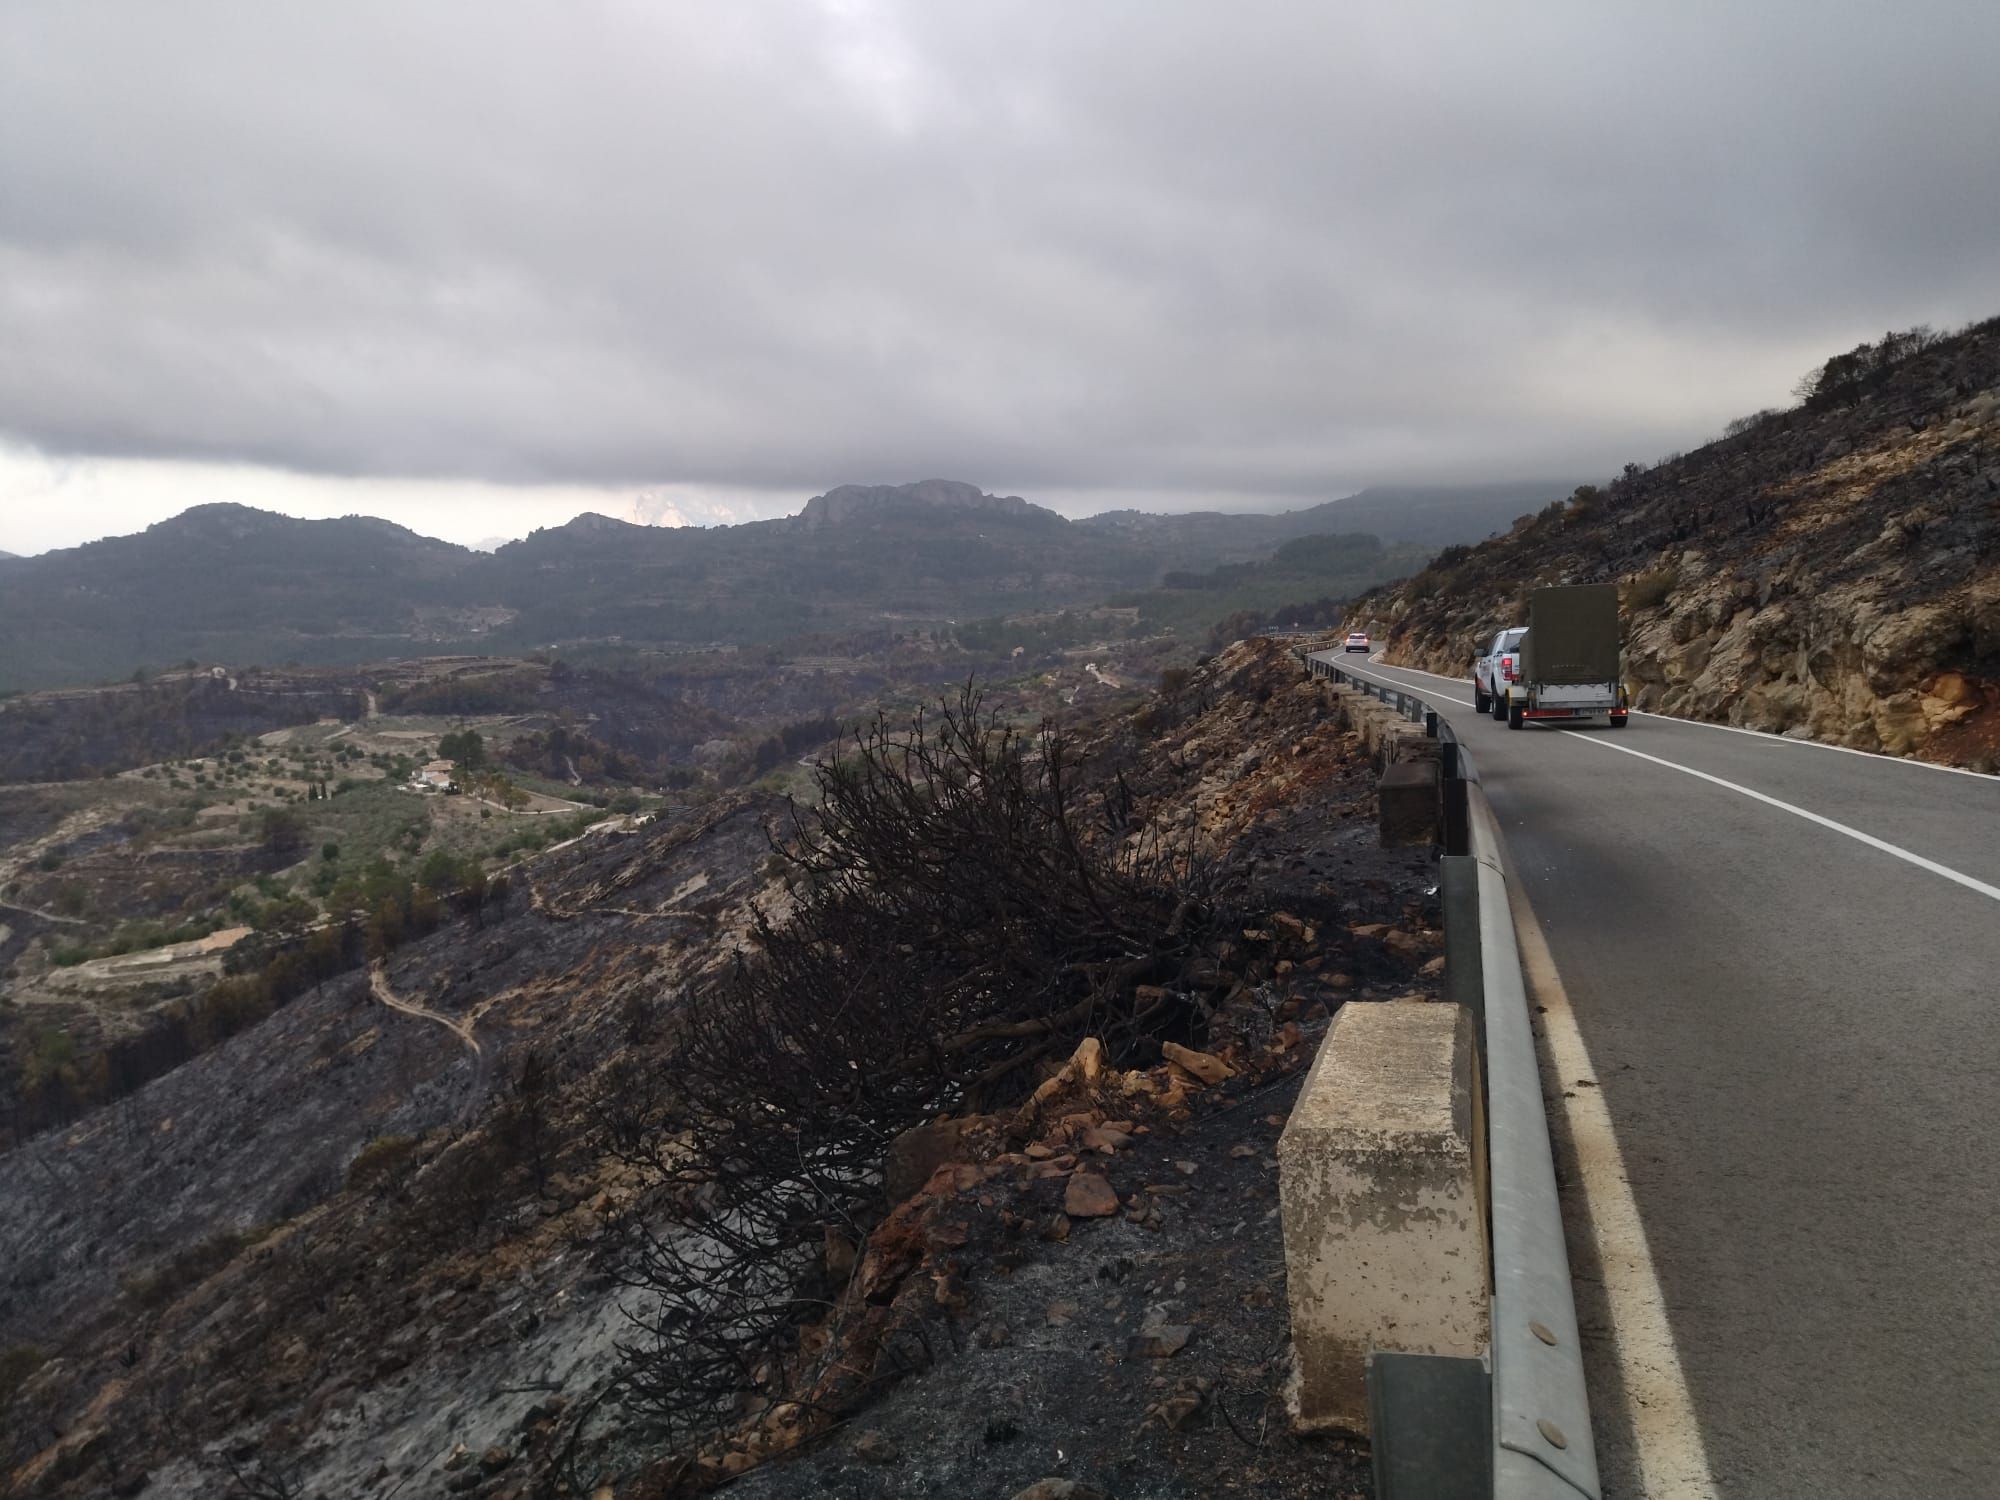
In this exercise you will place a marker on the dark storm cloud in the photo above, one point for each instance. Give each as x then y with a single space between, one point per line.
1268 248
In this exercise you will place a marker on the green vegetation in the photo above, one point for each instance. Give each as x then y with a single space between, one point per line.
368 820
1304 579
1033 635
465 747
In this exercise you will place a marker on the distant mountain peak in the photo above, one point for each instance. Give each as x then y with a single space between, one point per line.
225 518
848 502
217 513
586 525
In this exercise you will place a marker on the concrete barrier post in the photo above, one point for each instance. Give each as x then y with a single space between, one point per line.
1407 805
1380 1191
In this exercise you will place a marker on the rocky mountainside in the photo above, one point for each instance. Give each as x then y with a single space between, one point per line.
457 1222
1431 516
1830 572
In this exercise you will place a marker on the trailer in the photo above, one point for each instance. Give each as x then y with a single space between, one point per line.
1569 663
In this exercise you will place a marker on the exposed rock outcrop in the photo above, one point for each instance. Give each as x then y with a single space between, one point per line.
848 502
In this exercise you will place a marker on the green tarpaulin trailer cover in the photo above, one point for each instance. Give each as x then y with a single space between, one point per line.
1572 635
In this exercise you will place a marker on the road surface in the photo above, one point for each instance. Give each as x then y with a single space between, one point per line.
1781 1139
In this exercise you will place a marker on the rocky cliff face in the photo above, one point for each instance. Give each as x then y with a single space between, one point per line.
1831 573
850 502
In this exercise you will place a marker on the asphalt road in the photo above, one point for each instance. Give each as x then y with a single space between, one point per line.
1794 1033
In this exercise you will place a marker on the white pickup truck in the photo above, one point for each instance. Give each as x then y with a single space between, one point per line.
1492 672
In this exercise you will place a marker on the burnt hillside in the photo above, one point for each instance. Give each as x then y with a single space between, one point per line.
455 1221
1830 572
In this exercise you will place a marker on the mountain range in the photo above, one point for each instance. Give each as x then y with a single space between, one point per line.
227 583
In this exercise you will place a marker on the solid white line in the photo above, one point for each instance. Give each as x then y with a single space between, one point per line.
1767 736
1779 739
1993 892
1666 1437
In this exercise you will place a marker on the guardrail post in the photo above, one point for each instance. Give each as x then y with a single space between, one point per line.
1430 1426
1431 722
1464 976
1455 830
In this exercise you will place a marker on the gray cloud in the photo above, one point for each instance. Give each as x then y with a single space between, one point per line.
1263 248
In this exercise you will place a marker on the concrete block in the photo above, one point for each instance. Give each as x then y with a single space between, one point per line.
1376 724
1382 1197
1411 743
1406 804
1344 698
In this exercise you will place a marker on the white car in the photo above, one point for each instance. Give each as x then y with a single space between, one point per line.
1357 640
1492 672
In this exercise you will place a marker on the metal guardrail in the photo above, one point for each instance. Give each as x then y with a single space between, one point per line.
1541 1407
1542 1446
1454 761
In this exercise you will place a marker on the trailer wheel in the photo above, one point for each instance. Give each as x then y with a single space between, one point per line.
1619 721
1516 714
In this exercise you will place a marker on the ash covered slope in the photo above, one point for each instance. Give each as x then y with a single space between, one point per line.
365 1226
1832 571
351 1252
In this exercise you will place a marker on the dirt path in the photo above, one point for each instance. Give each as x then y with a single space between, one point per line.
378 986
46 916
21 856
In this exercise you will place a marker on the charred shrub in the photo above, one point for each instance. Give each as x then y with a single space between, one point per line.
961 913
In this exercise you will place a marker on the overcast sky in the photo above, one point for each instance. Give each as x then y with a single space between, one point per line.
477 266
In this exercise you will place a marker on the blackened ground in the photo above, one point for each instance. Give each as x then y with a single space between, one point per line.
1044 1381
1039 1379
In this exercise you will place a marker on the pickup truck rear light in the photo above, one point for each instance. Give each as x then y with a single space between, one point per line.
1507 669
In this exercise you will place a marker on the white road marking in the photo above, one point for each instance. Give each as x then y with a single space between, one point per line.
1762 734
1897 850
1666 1437
1779 739
1989 891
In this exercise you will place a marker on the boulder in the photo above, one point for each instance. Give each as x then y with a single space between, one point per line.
1205 1066
917 1153
1089 1196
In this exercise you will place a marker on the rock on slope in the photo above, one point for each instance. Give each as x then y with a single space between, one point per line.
1831 572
